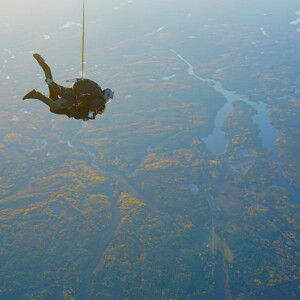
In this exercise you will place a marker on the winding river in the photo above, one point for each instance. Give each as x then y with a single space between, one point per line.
217 143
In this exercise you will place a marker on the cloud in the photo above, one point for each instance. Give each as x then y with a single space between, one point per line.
48 36
69 24
297 21
95 21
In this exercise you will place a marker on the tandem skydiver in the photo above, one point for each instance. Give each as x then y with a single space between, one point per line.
84 100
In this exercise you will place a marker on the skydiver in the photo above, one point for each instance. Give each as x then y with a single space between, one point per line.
82 101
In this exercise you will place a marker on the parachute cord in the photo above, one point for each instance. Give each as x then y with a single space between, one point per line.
82 62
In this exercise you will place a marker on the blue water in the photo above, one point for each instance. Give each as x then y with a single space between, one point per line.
217 143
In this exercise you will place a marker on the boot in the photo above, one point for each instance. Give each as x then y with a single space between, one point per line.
44 66
39 59
30 95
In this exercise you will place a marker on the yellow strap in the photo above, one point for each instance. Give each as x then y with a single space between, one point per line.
82 62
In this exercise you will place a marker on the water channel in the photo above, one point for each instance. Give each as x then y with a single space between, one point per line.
217 143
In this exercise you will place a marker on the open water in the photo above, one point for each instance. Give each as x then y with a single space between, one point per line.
217 143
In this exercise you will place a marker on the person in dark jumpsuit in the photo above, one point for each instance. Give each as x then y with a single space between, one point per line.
83 100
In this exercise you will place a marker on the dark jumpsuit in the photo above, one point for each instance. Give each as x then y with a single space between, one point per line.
75 101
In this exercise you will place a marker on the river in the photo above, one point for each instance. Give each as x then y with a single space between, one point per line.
217 143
